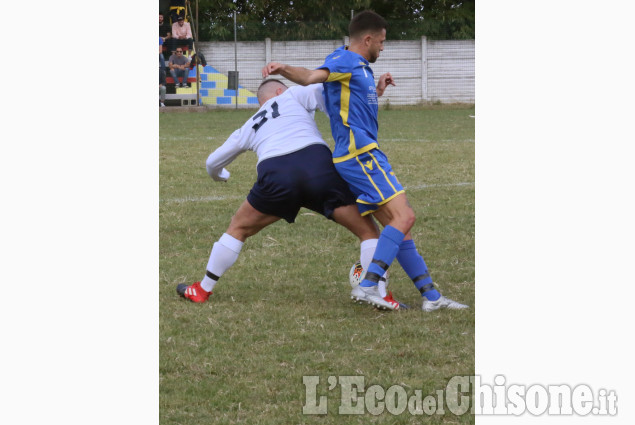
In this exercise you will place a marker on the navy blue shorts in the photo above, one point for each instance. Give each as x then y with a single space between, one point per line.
306 178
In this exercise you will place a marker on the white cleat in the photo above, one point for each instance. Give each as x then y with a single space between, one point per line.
442 302
371 296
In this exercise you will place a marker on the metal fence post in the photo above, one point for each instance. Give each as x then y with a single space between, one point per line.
267 50
424 68
236 58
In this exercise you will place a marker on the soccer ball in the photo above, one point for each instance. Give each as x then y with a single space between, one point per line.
356 275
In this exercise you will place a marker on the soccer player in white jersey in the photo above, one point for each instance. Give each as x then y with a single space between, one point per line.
351 100
295 170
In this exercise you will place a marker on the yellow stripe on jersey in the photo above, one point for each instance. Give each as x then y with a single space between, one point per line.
370 179
345 98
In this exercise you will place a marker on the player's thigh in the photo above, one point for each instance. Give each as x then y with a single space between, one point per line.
349 217
247 221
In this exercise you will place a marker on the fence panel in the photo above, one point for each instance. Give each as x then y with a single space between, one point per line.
423 70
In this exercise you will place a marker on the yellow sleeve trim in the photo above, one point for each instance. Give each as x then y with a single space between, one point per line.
338 76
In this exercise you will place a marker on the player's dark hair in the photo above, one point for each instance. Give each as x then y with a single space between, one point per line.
364 22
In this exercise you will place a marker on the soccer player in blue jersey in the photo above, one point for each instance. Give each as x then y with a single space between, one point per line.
294 170
351 101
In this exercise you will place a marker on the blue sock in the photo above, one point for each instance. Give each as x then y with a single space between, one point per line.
416 269
387 248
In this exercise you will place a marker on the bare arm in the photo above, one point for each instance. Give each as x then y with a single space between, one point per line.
384 81
296 74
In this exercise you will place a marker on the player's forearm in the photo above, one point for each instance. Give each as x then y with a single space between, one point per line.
215 169
223 156
302 76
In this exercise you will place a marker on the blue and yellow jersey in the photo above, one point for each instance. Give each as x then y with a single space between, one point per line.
351 102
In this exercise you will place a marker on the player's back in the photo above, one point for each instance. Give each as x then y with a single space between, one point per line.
285 123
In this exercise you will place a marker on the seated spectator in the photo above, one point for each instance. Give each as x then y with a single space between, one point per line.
165 30
161 57
162 89
182 34
179 67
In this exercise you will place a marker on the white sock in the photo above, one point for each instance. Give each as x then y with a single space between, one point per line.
366 251
224 255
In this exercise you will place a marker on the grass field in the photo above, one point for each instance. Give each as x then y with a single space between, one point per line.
283 311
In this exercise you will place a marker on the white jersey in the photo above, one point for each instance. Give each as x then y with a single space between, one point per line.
284 124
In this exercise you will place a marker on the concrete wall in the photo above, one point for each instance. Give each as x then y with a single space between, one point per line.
423 70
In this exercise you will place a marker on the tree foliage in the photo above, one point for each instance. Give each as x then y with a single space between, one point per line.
328 19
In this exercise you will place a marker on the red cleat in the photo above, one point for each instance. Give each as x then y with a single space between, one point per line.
193 292
388 298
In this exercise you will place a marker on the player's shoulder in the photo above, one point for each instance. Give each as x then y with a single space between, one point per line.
301 93
295 90
343 58
340 55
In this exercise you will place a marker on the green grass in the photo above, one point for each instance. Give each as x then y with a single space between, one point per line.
283 310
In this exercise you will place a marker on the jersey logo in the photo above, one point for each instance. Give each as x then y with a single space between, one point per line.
369 165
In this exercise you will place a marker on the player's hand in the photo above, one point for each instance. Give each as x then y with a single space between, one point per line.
384 81
272 68
223 176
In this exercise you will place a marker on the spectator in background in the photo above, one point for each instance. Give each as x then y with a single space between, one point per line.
182 34
161 57
162 89
165 30
179 67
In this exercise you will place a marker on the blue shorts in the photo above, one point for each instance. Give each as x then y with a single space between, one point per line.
306 178
371 179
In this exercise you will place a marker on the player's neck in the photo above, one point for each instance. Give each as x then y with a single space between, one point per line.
359 49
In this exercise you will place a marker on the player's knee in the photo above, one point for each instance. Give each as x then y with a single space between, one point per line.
240 233
239 230
406 219
410 221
